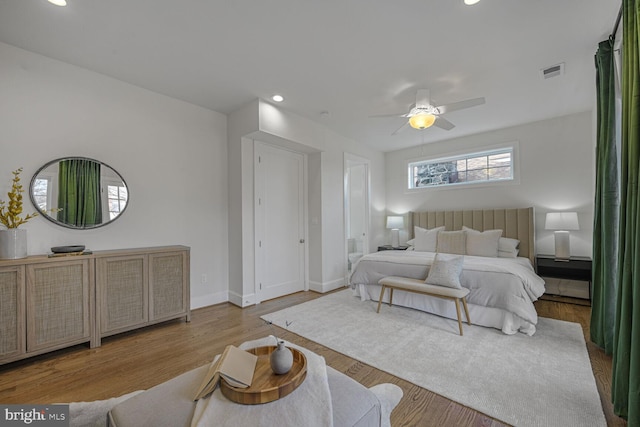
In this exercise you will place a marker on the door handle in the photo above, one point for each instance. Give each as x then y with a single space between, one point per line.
301 240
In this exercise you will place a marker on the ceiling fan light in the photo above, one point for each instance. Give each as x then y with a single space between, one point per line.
470 2
58 2
422 120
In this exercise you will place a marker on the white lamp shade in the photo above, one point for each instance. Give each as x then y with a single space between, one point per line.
395 222
562 221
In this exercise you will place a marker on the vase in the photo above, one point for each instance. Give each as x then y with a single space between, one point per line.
281 359
13 243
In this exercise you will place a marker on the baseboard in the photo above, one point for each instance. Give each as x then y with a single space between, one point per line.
327 286
242 300
209 299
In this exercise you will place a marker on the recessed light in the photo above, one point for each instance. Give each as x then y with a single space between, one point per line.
278 98
470 2
58 2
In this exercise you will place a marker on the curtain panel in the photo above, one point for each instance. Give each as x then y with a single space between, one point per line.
626 352
606 203
79 194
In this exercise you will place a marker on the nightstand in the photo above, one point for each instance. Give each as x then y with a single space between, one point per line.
392 248
570 278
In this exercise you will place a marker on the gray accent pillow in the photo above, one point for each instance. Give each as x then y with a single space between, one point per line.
452 242
445 271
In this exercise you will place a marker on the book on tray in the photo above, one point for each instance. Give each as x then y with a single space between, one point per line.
236 366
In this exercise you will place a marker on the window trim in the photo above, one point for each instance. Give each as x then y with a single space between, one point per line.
466 153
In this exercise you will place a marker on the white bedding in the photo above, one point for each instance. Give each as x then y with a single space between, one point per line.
502 290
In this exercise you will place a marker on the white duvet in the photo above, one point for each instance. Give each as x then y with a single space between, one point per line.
508 284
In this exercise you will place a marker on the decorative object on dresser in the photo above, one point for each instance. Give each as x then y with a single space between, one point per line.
570 278
395 223
13 240
52 303
562 222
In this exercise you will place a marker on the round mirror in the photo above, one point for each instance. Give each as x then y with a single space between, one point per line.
79 193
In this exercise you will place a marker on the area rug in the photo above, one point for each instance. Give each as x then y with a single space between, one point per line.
543 380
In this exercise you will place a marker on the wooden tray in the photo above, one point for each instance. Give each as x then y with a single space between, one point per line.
267 386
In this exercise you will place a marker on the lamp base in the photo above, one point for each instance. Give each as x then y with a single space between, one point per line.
562 245
395 237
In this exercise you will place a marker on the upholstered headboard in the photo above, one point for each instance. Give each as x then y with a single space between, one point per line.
514 223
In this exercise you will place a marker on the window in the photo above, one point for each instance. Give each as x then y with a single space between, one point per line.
117 199
42 193
487 166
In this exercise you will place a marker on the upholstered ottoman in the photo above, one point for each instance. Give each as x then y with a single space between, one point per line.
171 404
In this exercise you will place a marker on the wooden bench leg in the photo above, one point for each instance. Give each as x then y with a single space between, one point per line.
457 301
390 296
466 310
380 299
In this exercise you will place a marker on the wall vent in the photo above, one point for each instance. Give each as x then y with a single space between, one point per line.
552 71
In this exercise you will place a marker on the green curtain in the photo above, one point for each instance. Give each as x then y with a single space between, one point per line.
79 193
606 203
625 385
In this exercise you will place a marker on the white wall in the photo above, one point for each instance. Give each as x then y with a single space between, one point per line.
173 156
556 173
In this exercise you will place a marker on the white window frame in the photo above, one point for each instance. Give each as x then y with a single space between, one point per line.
460 155
107 182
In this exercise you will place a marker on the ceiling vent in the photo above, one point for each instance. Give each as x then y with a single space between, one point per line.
552 71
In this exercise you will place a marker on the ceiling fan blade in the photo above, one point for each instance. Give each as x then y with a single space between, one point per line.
447 108
422 98
403 127
388 115
443 123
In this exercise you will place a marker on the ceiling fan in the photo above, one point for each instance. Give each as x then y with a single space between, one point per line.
423 114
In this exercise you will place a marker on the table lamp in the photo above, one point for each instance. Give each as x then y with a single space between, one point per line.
395 223
562 222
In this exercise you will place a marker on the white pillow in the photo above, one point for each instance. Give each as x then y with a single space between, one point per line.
482 243
451 242
445 271
508 248
410 242
425 240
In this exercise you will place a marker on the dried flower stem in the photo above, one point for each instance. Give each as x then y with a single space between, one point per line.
10 213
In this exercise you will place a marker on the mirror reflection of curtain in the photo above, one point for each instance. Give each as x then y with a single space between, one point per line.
79 193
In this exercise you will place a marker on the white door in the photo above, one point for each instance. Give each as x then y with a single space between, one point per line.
356 204
279 213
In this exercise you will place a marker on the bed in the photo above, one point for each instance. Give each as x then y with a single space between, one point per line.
502 285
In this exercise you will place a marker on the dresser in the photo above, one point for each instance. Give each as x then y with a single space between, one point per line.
49 303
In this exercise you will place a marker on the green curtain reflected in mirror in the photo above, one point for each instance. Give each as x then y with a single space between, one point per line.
79 193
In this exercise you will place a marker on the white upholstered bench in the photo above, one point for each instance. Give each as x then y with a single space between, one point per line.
420 287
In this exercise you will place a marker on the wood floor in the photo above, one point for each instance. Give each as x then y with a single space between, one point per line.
144 358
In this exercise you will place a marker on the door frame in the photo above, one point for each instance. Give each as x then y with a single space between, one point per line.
355 160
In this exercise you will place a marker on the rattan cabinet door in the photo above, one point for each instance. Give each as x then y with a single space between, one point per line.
12 317
58 304
123 290
168 285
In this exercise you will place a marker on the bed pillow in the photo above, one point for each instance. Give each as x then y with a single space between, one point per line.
451 242
425 240
483 243
445 271
508 248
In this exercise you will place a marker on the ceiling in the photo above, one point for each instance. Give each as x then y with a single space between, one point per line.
335 61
